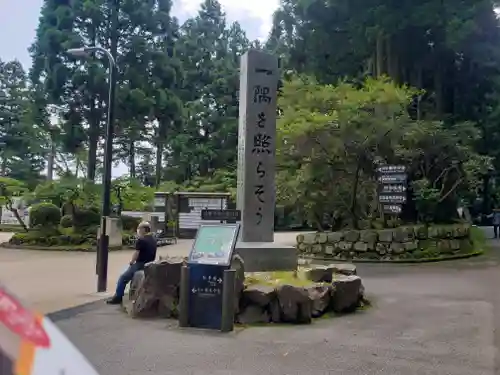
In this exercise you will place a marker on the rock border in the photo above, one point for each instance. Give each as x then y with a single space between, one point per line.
407 261
336 288
76 249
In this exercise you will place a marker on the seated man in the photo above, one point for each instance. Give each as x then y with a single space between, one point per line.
145 252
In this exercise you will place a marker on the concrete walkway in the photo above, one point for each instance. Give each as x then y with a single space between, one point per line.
50 281
432 319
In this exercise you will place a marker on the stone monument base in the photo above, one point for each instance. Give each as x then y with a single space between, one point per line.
267 256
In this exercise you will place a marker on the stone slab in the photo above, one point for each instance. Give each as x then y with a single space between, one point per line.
267 256
113 228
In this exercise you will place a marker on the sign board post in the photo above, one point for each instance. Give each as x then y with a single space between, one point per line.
392 189
206 292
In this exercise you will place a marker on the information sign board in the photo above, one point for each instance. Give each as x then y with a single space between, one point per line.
214 244
205 295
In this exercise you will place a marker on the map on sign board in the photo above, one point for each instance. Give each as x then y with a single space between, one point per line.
214 244
30 344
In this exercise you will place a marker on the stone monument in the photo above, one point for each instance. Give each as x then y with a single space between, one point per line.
259 76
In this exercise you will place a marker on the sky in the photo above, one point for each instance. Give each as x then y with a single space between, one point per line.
18 23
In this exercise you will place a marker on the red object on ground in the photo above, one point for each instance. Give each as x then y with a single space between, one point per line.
22 322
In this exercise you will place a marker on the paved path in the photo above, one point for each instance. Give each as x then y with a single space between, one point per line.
52 281
433 319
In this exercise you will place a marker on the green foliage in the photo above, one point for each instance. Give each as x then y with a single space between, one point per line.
45 215
67 221
130 223
131 195
177 104
86 218
54 239
22 145
333 136
220 181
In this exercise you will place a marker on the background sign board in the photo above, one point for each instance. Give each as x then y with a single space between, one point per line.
392 179
386 169
392 190
391 209
392 198
214 244
222 215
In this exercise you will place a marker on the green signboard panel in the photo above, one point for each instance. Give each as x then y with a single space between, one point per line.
214 244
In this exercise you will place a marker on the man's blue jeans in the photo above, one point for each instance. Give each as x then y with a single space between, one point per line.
126 277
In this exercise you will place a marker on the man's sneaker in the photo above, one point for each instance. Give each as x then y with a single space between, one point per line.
115 300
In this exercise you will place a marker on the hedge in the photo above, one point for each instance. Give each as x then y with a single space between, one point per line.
42 238
86 217
67 221
130 223
44 215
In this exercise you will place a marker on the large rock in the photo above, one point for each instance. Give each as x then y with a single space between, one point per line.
294 303
334 237
324 274
385 235
347 292
260 295
254 314
360 247
135 285
351 236
320 296
238 265
344 245
158 293
404 234
369 236
309 238
321 237
343 268
319 274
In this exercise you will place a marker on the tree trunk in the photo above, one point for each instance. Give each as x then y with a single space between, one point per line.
354 217
380 55
438 88
392 61
131 159
3 168
50 162
21 222
159 159
92 153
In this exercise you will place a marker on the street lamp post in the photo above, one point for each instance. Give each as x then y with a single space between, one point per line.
103 246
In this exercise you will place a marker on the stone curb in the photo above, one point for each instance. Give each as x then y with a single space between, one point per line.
402 261
59 248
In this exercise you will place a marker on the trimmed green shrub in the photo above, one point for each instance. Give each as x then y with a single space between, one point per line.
44 215
86 217
42 238
67 221
130 223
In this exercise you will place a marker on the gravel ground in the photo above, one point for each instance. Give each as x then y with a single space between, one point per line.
431 319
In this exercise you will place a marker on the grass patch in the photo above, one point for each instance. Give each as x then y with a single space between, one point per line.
74 248
277 278
10 228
